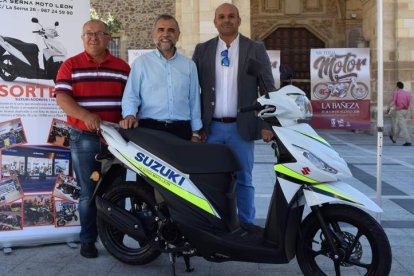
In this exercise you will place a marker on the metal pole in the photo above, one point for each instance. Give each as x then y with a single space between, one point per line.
380 100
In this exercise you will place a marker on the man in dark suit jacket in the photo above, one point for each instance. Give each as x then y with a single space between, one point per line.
226 86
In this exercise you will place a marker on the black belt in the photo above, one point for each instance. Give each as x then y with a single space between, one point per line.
225 120
166 123
85 131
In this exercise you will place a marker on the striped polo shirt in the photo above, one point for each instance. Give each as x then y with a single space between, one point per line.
96 87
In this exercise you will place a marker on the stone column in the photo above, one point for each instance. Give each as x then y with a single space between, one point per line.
188 16
404 52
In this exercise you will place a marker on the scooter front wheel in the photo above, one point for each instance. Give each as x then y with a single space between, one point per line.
61 222
359 91
139 201
363 246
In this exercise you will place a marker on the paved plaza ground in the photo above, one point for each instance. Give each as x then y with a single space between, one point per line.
358 149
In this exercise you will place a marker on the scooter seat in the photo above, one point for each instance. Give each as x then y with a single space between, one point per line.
188 157
22 46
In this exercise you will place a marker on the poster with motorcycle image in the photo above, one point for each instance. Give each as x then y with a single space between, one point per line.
340 88
67 213
34 148
10 204
66 187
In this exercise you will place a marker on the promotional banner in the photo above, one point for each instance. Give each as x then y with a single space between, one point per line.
340 88
133 54
38 191
274 56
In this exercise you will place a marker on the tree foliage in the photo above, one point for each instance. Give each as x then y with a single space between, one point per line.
113 23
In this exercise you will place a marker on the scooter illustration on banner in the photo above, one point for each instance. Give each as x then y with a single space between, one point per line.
21 59
183 201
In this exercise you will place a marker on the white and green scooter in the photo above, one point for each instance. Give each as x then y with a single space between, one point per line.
183 201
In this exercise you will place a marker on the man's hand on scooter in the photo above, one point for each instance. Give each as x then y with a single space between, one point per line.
267 135
128 122
203 135
92 122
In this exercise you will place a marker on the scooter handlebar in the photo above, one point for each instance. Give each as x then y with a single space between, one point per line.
254 107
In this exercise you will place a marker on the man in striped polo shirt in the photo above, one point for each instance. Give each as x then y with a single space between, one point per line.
89 88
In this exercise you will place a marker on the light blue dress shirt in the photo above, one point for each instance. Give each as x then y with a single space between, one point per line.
163 89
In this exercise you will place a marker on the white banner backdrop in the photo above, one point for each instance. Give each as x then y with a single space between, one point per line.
38 194
274 56
133 54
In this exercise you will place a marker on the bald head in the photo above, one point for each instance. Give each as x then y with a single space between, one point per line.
226 6
227 21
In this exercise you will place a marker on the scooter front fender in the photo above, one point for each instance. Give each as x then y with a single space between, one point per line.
338 191
115 174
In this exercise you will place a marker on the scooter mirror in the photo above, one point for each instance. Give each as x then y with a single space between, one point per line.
286 72
34 20
255 68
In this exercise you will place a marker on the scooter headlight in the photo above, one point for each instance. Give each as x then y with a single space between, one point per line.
303 104
319 163
51 33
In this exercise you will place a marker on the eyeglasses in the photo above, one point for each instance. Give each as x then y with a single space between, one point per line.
97 34
225 58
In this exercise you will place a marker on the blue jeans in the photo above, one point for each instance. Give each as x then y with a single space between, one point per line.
84 146
227 133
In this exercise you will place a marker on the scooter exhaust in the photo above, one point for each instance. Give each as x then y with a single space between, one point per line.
120 219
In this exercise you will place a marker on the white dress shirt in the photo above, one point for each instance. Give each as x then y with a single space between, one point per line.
226 80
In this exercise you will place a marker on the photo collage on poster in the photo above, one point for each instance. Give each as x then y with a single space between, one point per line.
37 185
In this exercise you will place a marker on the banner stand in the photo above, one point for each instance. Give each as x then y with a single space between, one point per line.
38 190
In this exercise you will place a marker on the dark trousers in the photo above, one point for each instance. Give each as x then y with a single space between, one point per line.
180 129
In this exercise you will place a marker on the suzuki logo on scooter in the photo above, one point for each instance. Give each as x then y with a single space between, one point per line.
159 168
305 171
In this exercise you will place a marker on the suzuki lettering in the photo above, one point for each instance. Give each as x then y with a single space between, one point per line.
160 168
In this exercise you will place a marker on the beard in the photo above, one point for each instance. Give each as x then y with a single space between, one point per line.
165 46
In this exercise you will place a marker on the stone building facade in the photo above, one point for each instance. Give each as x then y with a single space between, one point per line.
137 19
398 45
337 23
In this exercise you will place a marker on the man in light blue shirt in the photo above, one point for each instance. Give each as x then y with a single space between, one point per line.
163 87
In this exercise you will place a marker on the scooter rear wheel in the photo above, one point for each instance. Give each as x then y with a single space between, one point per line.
7 68
321 91
139 201
363 247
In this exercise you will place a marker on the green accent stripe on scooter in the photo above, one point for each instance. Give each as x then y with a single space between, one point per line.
293 176
325 190
317 138
193 199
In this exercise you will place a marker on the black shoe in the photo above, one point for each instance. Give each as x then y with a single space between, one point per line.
88 250
250 227
392 139
407 144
